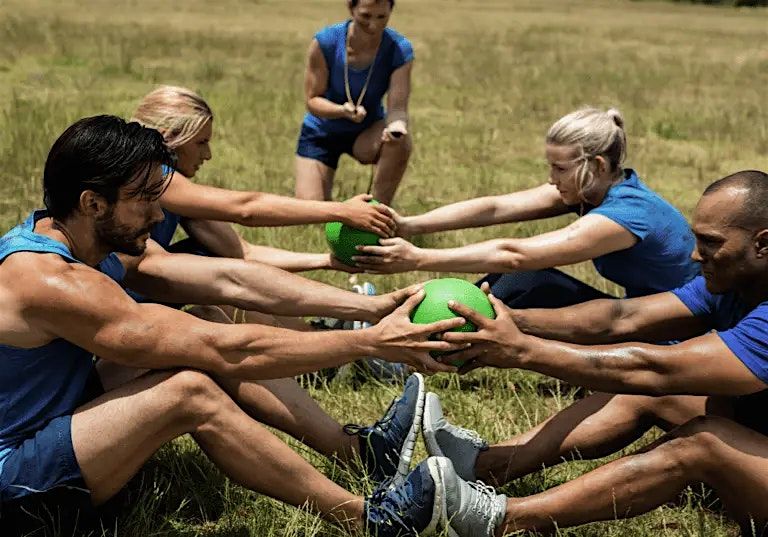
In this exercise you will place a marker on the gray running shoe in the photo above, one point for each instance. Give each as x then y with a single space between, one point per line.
471 509
442 439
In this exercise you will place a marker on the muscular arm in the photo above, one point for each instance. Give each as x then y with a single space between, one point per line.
540 202
700 366
398 94
81 305
249 285
659 317
315 84
587 238
201 202
221 239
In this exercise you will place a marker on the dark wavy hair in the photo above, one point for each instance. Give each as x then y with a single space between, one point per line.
103 154
353 3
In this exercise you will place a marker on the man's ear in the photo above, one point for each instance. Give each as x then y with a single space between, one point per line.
761 243
92 204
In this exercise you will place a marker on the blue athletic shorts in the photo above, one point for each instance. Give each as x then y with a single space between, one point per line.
327 148
41 475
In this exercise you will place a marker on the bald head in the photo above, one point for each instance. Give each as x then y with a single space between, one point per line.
752 185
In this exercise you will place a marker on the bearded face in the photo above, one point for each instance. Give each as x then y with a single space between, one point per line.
123 236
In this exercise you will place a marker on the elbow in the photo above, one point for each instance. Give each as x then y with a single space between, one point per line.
251 211
509 257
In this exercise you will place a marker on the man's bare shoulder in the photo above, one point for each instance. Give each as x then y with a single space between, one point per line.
37 286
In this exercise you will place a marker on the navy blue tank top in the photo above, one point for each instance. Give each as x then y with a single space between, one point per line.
42 383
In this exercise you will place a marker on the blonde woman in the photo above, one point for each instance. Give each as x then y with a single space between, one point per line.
633 236
186 122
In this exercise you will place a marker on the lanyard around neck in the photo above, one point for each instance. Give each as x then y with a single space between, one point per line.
346 71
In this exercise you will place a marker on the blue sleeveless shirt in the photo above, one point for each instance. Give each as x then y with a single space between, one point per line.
41 383
394 51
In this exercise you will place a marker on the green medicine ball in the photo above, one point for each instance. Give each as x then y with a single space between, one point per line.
439 292
343 239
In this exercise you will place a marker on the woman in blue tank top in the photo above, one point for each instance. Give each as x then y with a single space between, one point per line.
350 67
186 122
633 236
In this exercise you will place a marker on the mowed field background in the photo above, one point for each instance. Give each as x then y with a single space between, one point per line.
489 79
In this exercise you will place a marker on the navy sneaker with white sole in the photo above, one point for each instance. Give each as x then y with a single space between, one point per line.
414 507
386 447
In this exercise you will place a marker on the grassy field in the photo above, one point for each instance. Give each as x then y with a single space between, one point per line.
490 77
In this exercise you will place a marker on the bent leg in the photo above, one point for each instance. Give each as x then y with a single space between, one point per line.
115 434
286 406
283 404
717 451
314 180
391 159
590 428
546 288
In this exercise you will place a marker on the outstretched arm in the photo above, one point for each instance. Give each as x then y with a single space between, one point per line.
248 208
81 305
588 237
654 318
541 202
249 285
701 366
221 239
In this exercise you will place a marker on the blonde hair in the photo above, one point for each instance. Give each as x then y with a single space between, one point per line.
179 113
595 133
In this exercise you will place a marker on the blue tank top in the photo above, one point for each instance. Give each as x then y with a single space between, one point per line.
661 259
394 51
42 383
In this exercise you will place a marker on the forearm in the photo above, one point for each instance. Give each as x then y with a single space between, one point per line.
287 260
588 323
244 284
488 256
324 108
246 351
464 214
637 369
273 210
397 114
271 290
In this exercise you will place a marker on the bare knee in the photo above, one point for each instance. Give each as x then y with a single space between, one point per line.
695 447
198 398
398 151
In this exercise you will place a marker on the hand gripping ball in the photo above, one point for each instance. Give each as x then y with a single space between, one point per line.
343 239
439 292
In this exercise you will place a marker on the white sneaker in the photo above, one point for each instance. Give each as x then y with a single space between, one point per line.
470 509
461 446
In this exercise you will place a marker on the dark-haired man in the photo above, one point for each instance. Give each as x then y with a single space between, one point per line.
61 435
708 392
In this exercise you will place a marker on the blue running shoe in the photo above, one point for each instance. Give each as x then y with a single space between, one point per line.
414 507
386 447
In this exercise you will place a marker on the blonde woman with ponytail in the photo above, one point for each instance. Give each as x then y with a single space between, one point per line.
634 237
186 122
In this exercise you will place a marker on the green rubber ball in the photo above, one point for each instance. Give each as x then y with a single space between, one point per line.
435 308
344 239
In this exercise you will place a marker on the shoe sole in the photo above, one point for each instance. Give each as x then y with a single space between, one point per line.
406 452
433 449
439 506
437 467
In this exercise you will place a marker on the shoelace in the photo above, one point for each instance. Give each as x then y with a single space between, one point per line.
482 503
382 424
390 503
